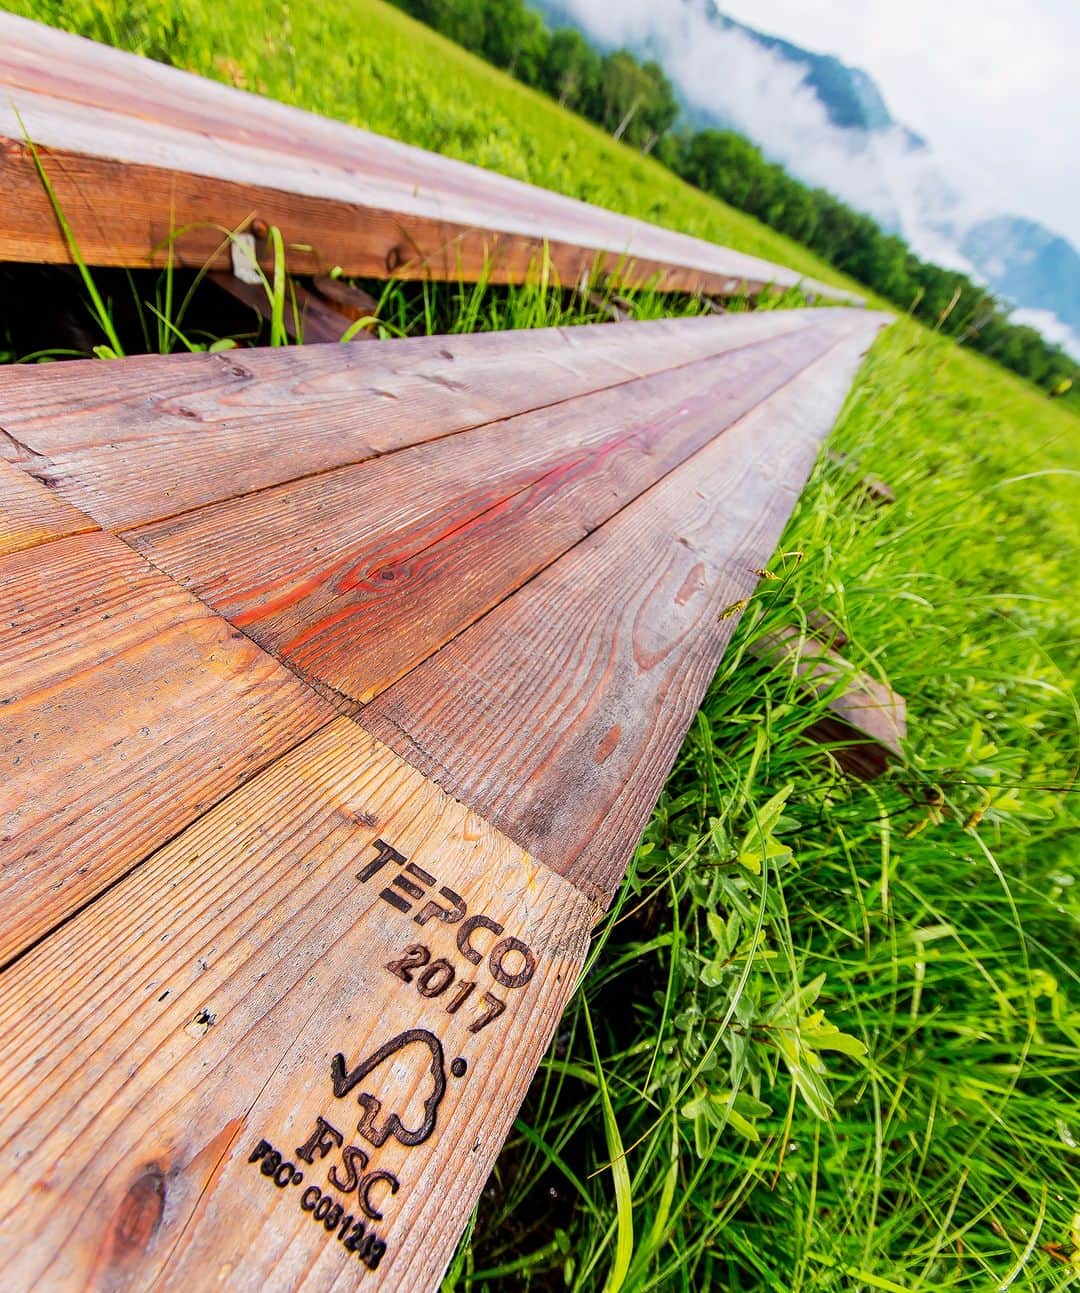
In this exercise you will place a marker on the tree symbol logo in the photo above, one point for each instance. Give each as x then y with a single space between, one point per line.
422 1047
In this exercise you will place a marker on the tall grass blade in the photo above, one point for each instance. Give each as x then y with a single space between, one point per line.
620 1173
99 310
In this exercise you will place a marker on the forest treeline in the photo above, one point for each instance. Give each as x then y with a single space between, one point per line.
635 101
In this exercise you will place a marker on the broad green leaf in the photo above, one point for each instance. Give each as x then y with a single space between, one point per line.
823 1036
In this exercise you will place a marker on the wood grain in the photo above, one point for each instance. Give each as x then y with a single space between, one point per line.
170 1040
130 213
157 435
126 136
36 59
274 968
128 709
31 514
357 575
559 714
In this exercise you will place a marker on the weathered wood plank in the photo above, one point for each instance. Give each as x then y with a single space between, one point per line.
158 136
867 720
355 576
309 320
128 709
169 1044
198 1009
31 514
39 60
353 302
158 435
559 714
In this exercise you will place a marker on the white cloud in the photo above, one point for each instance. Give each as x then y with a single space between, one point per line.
764 95
992 84
985 82
1051 327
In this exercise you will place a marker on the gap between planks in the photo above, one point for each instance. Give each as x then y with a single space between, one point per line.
441 386
354 605
187 1181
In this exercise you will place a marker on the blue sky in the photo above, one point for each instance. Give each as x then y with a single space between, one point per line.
994 85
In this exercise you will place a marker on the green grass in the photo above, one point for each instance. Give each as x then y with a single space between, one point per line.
825 1040
939 904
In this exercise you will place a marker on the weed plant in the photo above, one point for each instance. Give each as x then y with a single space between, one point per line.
833 1018
825 1040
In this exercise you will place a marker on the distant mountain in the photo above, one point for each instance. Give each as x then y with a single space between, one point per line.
829 124
851 98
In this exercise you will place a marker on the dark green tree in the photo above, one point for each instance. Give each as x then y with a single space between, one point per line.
515 38
637 102
573 70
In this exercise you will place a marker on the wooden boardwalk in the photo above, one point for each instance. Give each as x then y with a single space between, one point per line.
137 151
337 686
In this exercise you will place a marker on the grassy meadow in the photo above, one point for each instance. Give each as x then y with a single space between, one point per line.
826 1039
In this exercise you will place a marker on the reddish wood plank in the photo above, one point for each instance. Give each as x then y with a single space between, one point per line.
192 1015
157 435
152 207
559 714
128 709
163 1042
31 514
420 214
356 576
